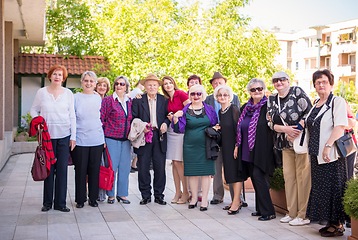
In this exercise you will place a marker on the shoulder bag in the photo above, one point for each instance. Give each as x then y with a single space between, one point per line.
39 169
106 174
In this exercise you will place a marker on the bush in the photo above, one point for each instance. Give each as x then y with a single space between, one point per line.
350 199
277 182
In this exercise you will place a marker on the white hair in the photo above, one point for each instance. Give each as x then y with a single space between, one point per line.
225 87
256 80
198 88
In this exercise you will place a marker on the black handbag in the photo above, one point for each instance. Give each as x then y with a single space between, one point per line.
345 144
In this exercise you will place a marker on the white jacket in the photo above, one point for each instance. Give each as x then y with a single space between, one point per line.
136 134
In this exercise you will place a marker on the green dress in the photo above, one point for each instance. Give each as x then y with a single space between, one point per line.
194 150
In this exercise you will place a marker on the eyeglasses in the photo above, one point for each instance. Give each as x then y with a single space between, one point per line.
89 81
223 95
196 93
281 79
122 84
256 89
323 83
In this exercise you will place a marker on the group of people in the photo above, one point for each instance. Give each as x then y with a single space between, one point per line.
179 125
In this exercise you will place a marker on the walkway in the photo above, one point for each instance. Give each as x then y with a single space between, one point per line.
21 218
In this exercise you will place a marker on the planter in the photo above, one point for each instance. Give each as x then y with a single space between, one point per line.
354 230
279 201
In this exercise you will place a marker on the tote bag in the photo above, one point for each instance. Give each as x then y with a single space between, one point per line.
106 174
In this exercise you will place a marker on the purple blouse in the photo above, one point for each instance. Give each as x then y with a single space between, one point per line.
245 140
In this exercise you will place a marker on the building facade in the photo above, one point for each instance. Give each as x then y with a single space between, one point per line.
338 48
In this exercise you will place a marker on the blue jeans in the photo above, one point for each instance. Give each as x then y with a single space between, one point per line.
120 153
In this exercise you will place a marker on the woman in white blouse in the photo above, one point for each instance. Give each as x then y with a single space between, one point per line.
56 105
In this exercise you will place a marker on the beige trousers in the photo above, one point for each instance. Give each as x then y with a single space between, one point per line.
297 175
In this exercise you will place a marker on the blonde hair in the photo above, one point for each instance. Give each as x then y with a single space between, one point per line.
103 80
198 88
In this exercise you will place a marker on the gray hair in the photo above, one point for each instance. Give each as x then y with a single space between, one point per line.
89 73
256 80
125 80
198 88
225 87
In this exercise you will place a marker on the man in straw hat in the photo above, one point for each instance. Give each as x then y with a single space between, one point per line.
218 186
152 108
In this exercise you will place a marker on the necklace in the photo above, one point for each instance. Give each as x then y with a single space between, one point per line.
284 95
225 110
197 111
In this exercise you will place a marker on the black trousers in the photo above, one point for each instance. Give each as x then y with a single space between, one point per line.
260 181
58 174
87 161
152 153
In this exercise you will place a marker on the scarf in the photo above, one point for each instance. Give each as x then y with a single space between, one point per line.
46 140
149 135
250 107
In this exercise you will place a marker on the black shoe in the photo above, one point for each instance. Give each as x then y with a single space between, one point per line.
93 203
160 201
233 212
266 218
191 206
348 225
144 201
336 232
323 229
216 201
256 214
125 201
226 207
203 209
110 201
244 204
80 205
62 209
132 171
45 208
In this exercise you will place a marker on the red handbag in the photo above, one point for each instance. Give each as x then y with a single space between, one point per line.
106 175
39 169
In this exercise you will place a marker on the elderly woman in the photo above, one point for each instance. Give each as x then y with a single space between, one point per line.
228 117
287 110
56 105
192 121
116 117
326 123
254 148
177 99
102 86
90 141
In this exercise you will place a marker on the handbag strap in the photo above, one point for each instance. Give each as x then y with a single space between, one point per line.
108 158
39 132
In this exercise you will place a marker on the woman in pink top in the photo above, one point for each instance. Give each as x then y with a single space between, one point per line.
177 99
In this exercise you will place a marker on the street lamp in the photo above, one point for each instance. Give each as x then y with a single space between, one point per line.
319 38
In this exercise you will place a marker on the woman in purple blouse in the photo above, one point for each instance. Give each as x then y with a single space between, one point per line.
254 148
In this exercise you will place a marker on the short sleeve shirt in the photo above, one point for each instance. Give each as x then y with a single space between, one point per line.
177 103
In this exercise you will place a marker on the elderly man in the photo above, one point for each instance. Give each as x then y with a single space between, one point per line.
152 109
218 187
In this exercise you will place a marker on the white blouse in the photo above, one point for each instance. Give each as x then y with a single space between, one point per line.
59 113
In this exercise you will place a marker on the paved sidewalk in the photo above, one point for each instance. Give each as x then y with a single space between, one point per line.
21 218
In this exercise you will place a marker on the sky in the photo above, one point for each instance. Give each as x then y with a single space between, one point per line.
295 15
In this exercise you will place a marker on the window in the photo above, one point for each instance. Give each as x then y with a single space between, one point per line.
328 39
289 64
327 62
351 59
296 65
289 48
313 63
307 64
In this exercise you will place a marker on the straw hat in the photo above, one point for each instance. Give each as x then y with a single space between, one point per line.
151 76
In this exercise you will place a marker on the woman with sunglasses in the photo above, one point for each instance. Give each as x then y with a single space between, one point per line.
254 148
177 99
229 115
192 121
116 117
287 110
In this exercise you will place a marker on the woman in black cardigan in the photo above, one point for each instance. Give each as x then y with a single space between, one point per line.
254 148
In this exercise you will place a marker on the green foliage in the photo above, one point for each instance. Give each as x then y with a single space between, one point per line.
277 182
348 92
25 123
350 199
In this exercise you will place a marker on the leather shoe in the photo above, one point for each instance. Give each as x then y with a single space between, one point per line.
203 209
216 201
226 207
244 204
62 209
144 201
125 201
80 205
256 214
191 206
266 218
233 212
160 201
45 208
93 203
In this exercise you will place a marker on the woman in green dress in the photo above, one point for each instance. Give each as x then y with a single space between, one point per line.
192 121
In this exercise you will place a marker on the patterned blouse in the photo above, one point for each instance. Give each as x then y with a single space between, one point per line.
294 107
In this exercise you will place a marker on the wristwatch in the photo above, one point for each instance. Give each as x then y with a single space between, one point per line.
327 145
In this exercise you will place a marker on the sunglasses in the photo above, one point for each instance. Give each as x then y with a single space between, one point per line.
223 95
281 79
196 93
259 89
122 84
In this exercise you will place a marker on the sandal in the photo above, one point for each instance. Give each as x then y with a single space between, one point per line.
110 201
337 232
